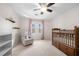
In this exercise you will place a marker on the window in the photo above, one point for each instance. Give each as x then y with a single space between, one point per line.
33 28
36 28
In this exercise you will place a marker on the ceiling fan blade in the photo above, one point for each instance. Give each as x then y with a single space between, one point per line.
41 13
36 9
49 10
43 5
40 4
50 4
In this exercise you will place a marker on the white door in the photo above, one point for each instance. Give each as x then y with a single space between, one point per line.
37 30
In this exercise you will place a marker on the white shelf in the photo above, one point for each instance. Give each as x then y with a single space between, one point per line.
5 51
4 43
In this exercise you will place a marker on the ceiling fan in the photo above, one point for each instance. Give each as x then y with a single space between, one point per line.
44 7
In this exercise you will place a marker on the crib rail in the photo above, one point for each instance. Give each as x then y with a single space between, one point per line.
66 39
65 36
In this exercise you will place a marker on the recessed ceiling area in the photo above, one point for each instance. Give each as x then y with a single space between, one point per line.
27 9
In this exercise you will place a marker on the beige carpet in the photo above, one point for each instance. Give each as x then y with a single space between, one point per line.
39 48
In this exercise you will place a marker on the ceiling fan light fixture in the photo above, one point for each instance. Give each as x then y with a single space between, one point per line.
44 9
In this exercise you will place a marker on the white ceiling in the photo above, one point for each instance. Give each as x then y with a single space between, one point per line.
27 9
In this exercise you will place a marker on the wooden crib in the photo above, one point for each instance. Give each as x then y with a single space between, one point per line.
66 40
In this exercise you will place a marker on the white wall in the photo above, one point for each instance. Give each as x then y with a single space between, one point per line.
5 27
24 24
67 20
5 12
47 30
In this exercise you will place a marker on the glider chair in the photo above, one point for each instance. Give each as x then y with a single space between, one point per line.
26 39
